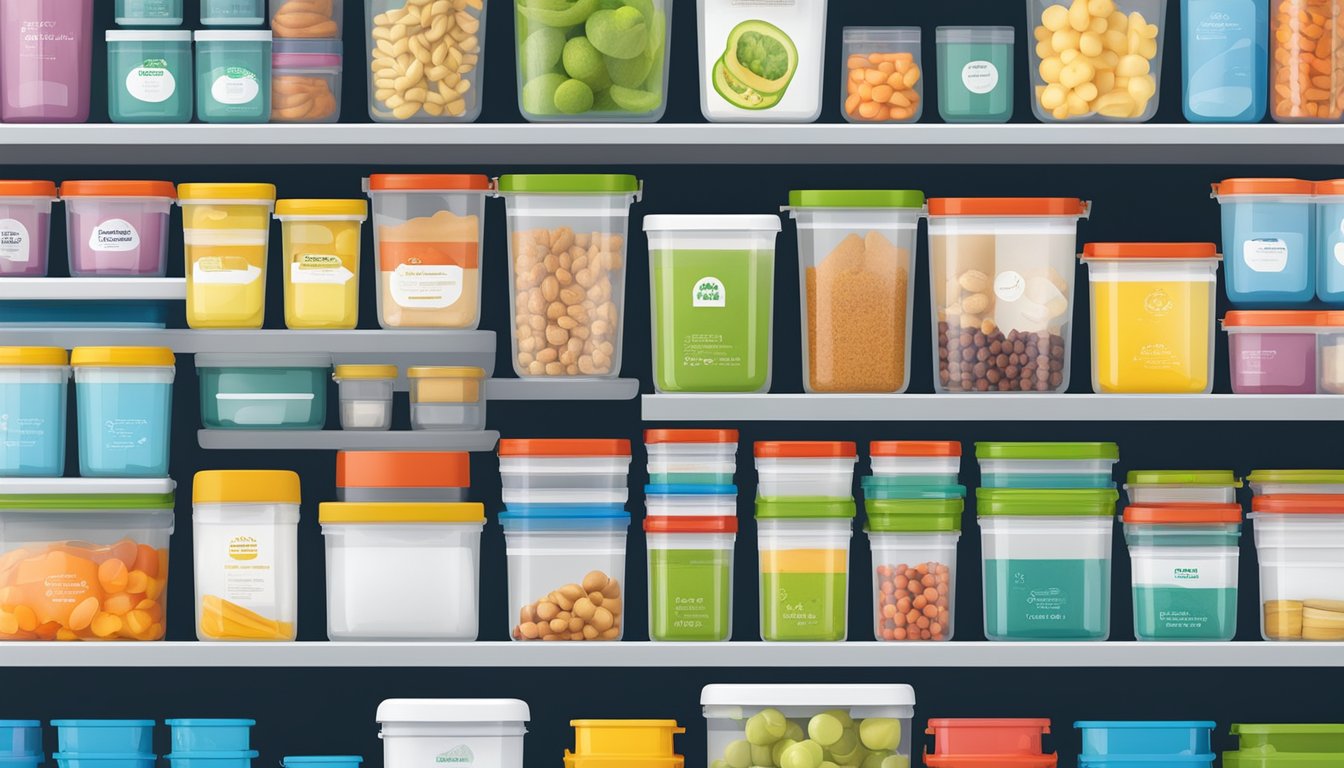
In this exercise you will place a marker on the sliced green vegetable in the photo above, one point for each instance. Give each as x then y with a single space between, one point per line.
557 13
539 93
622 33
633 100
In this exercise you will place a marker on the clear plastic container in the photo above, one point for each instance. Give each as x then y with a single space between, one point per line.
1269 237
586 63
1047 465
1299 542
1184 560
1314 745
149 76
805 469
366 395
804 568
884 75
916 462
33 386
118 228
431 476
442 82
780 81
712 280
307 19
975 74
104 737
964 742
233 13
211 735
1002 290
226 229
678 500
576 219
427 232
691 456
320 261
1224 60
1152 316
690 577
914 544
257 390
1090 66
1296 482
1282 352
1305 62
447 397
306 81
418 731
855 277
25 227
233 75
45 78
124 404
103 542
1182 486
375 549
1181 740
1046 556
148 13
586 473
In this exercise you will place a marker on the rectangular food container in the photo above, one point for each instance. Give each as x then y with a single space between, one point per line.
961 741
211 735
233 13
691 456
1305 88
124 399
584 473
1276 352
33 386
805 469
84 314
307 19
1314 745
420 731
1329 241
1178 740
103 760
1047 465
366 395
226 229
150 78
975 74
261 390
762 63
1299 541
446 87
305 80
233 74
232 759
680 500
1224 60
804 568
634 739
915 462
1293 482
148 13
914 545
1165 486
105 737
1269 239
447 397
424 476
320 261
690 577
21 739
25 227
883 75
44 77
1184 559
118 228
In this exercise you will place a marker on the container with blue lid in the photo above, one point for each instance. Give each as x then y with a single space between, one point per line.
21 739
213 759
192 735
105 760
678 499
105 737
1167 738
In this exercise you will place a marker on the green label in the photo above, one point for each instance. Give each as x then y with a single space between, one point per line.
690 593
1183 613
803 606
1047 599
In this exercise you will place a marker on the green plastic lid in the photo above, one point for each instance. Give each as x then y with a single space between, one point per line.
804 508
569 183
1279 729
856 198
1259 759
913 515
1047 451
90 502
1207 477
1299 476
1023 502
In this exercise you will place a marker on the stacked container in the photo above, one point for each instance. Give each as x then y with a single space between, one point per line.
1299 541
305 81
1269 232
988 741
1314 745
1166 743
33 386
211 743
636 743
487 732
1047 465
1286 352
1184 558
124 406
697 457
21 743
1296 482
1199 486
120 743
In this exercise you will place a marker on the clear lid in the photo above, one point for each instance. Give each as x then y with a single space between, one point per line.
885 35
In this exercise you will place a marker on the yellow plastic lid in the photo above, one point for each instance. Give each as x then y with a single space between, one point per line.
111 357
321 208
187 193
33 356
445 372
245 486
364 372
399 512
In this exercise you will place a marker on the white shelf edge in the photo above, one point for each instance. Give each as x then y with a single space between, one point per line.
93 289
346 440
191 341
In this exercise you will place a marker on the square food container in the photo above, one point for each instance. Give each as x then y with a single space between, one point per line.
1299 542
124 405
1285 352
263 390
25 227
425 476
447 397
1314 745
105 737
884 76
1184 559
150 77
21 739
975 74
1269 240
1224 61
805 469
914 545
305 80
148 13
691 456
762 63
915 462
1293 482
226 230
103 760
690 576
1153 739
211 735
231 759
1047 465
680 500
33 386
1181 486
233 73
580 473
366 395
118 228
320 262
233 13
966 741
446 87
803 549
420 731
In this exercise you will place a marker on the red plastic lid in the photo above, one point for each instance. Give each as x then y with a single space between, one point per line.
806 449
1329 188
1263 187
20 188
991 761
421 182
402 469
1105 251
1272 318
1007 206
1182 513
1300 504
550 447
912 448
690 524
119 189
656 436
1042 723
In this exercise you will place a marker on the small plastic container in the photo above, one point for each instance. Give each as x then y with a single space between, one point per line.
1152 316
775 713
149 75
242 516
1329 239
305 20
914 543
781 79
321 761
33 386
712 280
1315 745
1047 563
459 90
690 577
1047 465
1295 482
22 761
424 476
1224 61
1275 352
124 398
149 13
679 500
105 737
256 390
25 227
118 228
975 74
21 739
805 469
305 80
1184 560
804 566
211 735
915 462
366 395
1183 742
226 229
1269 239
320 262
866 49
233 74
447 397
233 759
550 215
45 78
966 742
1182 486
233 13
583 473
641 742
568 553
375 549
1299 542
691 456
418 731
1298 60
59 313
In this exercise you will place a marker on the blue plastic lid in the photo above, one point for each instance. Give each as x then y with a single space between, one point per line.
1162 761
103 756
552 518
207 722
103 724
20 723
1145 724
311 759
248 754
688 489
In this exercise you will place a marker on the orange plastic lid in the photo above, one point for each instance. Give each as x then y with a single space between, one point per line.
690 524
1300 504
20 188
402 469
1272 318
1007 206
420 182
1105 251
991 761
655 436
1182 513
914 448
806 449
119 189
1263 187
547 447
1329 188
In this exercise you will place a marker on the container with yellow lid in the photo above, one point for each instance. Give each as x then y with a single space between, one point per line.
320 247
33 382
447 397
402 571
245 538
226 230
366 395
124 399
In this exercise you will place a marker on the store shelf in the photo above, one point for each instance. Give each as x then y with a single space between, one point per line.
93 289
562 389
343 440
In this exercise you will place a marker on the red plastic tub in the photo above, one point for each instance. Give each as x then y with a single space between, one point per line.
988 743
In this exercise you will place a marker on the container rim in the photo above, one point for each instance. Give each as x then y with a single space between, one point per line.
819 695
660 436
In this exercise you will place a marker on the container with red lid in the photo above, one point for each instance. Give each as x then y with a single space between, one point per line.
1184 560
988 742
691 577
916 462
1269 240
25 227
805 469
1002 292
118 228
1299 541
588 473
691 456
402 476
1329 204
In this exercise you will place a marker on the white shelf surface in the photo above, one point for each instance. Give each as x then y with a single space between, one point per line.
562 389
93 289
346 440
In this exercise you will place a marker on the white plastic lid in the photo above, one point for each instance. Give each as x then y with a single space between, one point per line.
821 696
148 35
713 222
68 486
263 360
453 711
233 36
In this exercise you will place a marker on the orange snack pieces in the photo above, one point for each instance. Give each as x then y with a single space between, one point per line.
914 601
305 19
224 620
301 99
1308 61
881 87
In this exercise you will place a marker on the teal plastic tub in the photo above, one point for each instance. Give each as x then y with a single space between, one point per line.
211 735
975 74
321 761
95 760
1047 465
233 13
105 737
233 75
149 13
259 391
149 76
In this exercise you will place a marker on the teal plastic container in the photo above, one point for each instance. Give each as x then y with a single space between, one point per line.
211 735
233 76
233 13
149 13
1184 559
1047 465
975 74
149 76
242 391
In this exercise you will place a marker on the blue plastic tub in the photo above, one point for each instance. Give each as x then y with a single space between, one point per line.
1225 60
124 738
234 759
20 761
33 385
104 760
123 407
1269 240
1146 761
211 735
20 738
322 761
1330 241
1150 738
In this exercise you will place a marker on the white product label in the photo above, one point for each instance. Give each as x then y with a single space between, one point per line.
218 270
708 292
249 565
980 76
151 82
1269 255
1339 253
13 241
324 269
114 235
426 286
237 85
1009 285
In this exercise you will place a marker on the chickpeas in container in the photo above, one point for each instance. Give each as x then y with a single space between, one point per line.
1096 60
425 60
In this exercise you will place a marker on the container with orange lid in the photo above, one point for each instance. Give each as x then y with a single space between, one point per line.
1152 316
428 476
1002 291
805 469
1184 560
447 397
916 462
569 473
691 456
1299 541
118 228
1285 352
691 577
25 227
985 742
1269 234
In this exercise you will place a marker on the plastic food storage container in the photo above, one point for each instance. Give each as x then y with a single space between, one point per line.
1047 562
118 228
1182 486
878 488
805 469
1304 62
148 13
33 385
643 743
226 230
366 395
375 549
1186 743
307 19
252 516
914 543
1047 465
211 735
1184 562
1002 282
447 397
915 462
1329 241
975 74
233 72
45 80
321 761
690 576
681 500
104 541
857 259
25 227
1224 61
1285 351
418 731
426 476
1299 541
884 76
580 473
691 456
571 557
305 80
446 91
257 390
230 759
712 281
109 760
582 62
233 13
320 258
1269 238
124 399
427 231
1152 316
804 563
105 737
856 721
1283 746
149 75
584 217
965 742
1293 482
762 62
21 739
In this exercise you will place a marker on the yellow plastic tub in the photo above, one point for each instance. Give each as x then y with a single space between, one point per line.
226 230
643 738
320 247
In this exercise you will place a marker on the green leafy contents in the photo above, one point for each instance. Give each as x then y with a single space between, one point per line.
763 54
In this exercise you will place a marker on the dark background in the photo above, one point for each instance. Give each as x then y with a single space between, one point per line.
331 710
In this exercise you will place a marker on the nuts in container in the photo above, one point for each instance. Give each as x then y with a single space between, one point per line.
424 59
587 611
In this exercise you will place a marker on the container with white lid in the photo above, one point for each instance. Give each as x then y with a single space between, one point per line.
1289 482
693 456
1299 541
808 469
1207 486
584 472
1047 465
484 732
916 462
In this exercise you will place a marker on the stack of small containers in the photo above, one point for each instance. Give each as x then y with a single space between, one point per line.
21 744
988 741
1165 743
624 743
212 743
104 743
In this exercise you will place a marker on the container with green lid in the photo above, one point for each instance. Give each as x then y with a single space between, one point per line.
1047 465
804 556
914 544
1161 486
1276 482
1315 745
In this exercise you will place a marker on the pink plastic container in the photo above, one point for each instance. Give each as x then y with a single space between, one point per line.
25 226
46 52
117 228
1275 352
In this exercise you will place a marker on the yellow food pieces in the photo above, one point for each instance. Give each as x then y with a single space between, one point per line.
1317 620
223 620
1095 60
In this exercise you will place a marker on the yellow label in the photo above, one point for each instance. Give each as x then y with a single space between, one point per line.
804 561
243 548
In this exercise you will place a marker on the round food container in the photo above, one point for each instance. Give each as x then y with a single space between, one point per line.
427 231
1184 561
916 462
914 544
713 280
1329 206
1293 482
148 13
690 577
46 58
446 91
233 72
417 731
1002 284
983 741
366 395
124 399
118 228
579 219
33 385
1182 486
233 13
305 80
260 390
1047 562
149 75
975 74
1269 239
857 258
25 227
1299 541
425 476
1224 61
762 63
1275 352
806 469
447 397
320 258
306 19
1047 465
211 735
584 473
804 562
691 456
887 61
226 229
679 500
